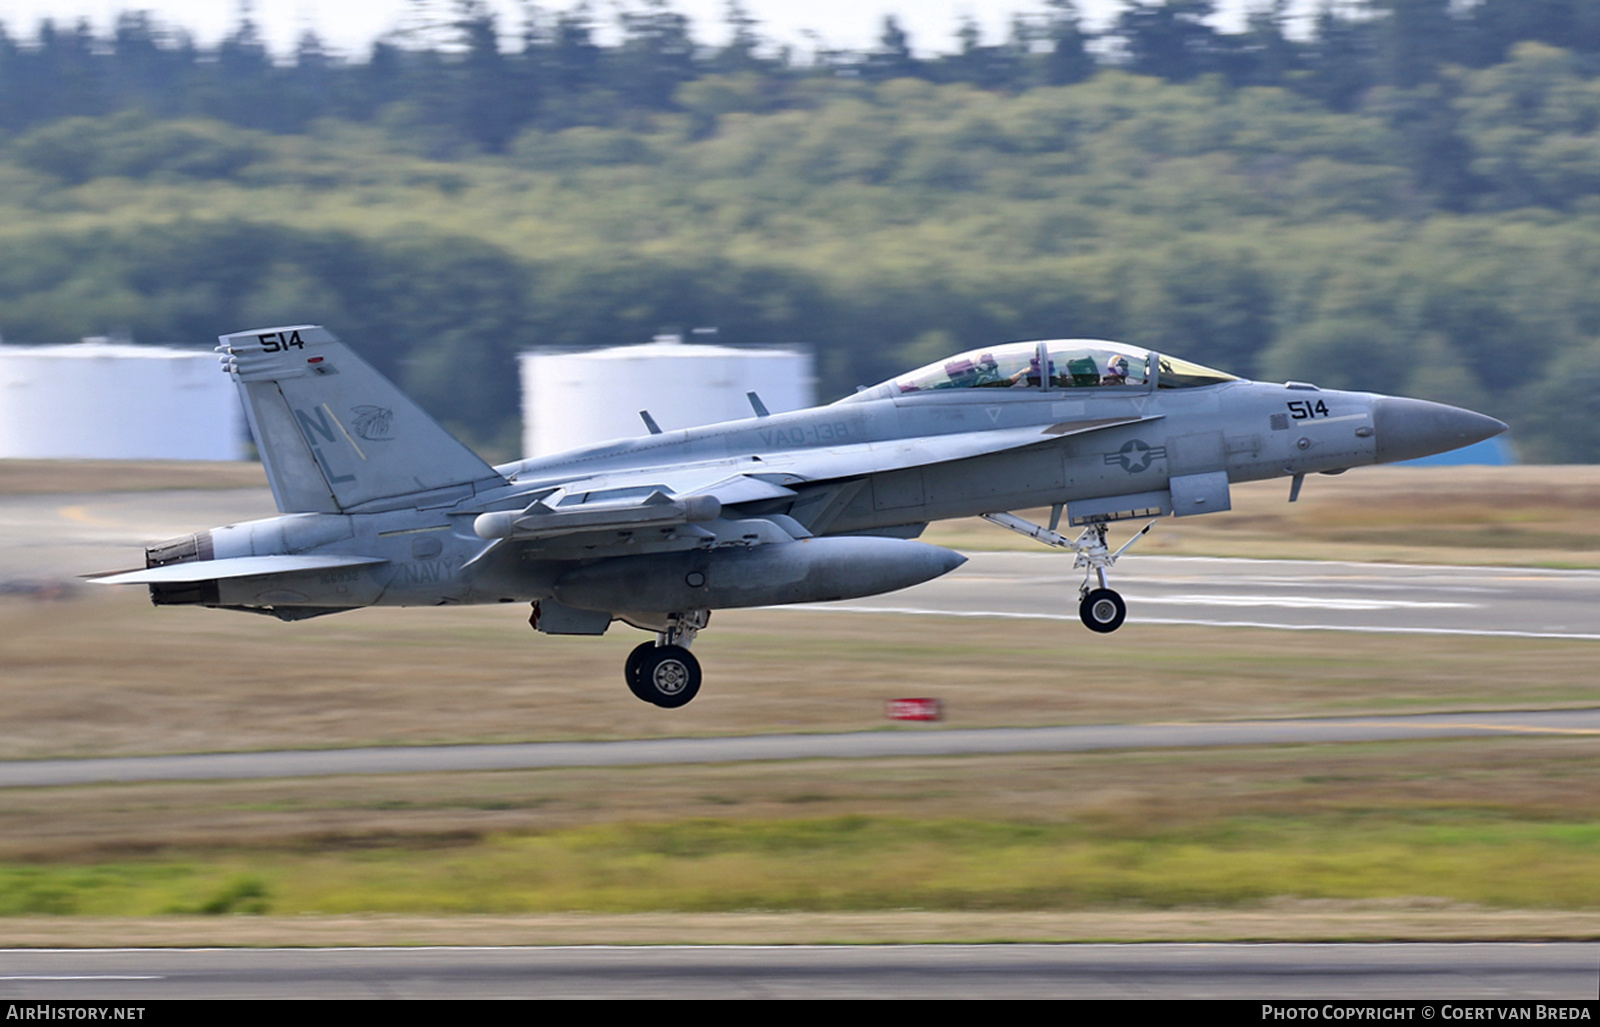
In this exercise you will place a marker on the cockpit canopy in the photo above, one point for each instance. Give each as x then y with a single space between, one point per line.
1068 363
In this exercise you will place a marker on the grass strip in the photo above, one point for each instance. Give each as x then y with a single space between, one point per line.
855 863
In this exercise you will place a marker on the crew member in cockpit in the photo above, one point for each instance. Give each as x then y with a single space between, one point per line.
1028 375
1116 371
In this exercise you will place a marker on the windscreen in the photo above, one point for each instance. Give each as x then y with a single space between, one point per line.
1069 364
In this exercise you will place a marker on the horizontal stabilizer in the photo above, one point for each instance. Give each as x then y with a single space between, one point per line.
234 567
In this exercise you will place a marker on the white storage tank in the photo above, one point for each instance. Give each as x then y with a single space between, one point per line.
103 400
573 399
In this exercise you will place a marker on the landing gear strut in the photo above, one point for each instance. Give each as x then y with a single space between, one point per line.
1100 608
664 672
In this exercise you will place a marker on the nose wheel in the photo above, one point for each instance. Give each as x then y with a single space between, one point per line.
1102 610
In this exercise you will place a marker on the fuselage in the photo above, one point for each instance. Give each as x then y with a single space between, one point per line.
1104 432
1251 430
1246 430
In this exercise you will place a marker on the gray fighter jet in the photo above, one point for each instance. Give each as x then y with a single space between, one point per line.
382 507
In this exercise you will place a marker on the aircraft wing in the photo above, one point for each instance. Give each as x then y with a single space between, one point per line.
923 450
686 495
769 475
233 567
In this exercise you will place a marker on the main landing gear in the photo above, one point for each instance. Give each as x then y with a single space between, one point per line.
1099 607
665 672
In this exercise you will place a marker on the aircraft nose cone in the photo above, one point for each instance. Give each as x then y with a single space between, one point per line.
1409 428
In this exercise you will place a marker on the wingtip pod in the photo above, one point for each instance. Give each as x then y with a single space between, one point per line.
1411 428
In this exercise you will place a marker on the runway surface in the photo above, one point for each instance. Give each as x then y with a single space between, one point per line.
856 745
46 534
60 536
67 534
1455 973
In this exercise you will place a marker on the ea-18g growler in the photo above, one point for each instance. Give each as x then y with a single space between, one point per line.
382 507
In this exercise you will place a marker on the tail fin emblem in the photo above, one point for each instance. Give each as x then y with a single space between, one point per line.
373 422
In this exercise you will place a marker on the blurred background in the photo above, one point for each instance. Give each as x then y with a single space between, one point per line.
1397 194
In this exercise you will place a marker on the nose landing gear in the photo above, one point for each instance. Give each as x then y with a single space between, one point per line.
1099 607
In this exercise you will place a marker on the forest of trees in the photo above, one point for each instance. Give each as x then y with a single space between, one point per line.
1406 199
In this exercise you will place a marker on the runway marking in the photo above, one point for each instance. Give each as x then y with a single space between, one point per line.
1402 570
1410 725
1407 725
82 977
1300 602
1285 581
82 516
914 611
1246 600
1529 729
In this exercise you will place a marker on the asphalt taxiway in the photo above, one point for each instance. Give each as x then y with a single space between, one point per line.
1444 973
852 745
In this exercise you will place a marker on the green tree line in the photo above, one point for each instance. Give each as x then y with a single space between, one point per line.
884 219
465 81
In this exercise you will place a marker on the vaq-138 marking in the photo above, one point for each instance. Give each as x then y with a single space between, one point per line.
383 507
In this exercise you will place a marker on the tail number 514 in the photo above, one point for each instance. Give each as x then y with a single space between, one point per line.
272 342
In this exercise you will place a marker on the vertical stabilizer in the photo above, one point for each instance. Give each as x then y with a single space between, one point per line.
332 432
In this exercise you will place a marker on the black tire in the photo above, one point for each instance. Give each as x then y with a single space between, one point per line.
669 676
1102 610
630 670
